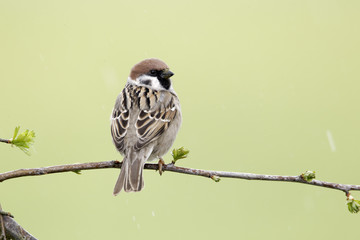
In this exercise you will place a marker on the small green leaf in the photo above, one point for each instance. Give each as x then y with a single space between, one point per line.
215 178
179 153
24 140
16 131
77 172
353 205
308 176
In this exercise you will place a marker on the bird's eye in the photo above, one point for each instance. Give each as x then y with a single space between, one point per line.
153 72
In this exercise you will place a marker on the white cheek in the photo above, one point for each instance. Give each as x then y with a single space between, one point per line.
155 84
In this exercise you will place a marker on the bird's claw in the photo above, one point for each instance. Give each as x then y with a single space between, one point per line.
161 163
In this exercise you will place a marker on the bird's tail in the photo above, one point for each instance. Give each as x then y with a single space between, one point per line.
131 174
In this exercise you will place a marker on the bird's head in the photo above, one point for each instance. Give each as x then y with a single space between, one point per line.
152 73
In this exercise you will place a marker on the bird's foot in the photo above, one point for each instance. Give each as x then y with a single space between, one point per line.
161 163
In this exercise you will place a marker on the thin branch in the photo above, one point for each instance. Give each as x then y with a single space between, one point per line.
2 225
172 168
15 231
5 140
12 229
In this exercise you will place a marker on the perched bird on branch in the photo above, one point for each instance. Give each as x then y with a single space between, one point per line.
145 121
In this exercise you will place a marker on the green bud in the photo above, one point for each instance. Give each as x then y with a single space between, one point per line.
77 172
308 176
24 140
215 178
353 205
179 153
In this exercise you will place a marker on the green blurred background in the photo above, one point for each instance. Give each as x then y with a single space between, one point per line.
265 86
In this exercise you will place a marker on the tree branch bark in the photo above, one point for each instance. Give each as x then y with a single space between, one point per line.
5 140
172 168
10 229
15 231
2 225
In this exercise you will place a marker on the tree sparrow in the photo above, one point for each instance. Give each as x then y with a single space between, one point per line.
145 120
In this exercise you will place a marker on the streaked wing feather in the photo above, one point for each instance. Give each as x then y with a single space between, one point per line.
120 119
151 124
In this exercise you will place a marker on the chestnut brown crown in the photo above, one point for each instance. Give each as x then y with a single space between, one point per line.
146 66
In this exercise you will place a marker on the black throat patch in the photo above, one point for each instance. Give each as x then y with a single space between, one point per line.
164 82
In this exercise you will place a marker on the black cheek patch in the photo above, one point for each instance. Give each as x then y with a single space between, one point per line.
146 82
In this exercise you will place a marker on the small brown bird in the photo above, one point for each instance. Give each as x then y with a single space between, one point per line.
145 121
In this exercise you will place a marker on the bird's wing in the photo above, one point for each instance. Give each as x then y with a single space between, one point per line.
120 118
157 111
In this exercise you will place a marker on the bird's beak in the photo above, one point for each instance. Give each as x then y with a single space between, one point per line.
166 74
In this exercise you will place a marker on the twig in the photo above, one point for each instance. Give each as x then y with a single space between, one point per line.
5 140
3 213
3 232
11 229
15 231
172 168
